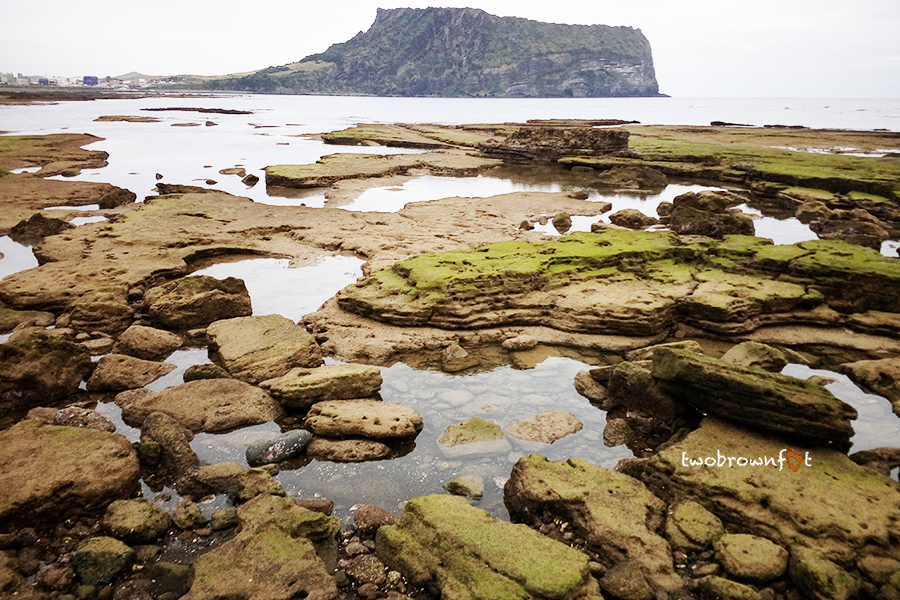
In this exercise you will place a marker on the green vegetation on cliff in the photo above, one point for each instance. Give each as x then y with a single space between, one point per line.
456 52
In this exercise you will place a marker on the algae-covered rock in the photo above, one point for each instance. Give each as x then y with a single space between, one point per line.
625 581
48 473
363 418
188 515
466 485
105 309
257 482
637 177
546 427
13 583
99 559
165 447
692 527
301 388
273 557
257 348
207 405
753 396
11 318
473 436
197 301
751 558
616 515
118 372
459 551
632 218
135 521
713 587
806 507
39 369
820 578
754 354
147 343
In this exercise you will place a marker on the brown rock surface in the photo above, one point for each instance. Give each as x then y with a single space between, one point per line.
49 472
117 373
207 405
197 301
363 418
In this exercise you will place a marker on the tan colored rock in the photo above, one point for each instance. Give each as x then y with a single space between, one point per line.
220 477
690 526
117 373
546 427
363 418
105 309
720 588
301 388
197 300
207 405
754 354
819 578
347 450
136 521
615 514
466 485
40 368
147 343
257 348
880 376
751 558
48 473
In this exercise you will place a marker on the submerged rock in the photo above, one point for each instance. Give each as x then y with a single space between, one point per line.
285 446
458 551
48 473
197 301
254 349
546 427
301 388
474 436
347 450
466 485
207 405
616 515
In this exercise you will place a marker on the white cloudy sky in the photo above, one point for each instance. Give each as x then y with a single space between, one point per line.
766 48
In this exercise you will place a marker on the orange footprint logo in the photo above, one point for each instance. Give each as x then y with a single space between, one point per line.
797 456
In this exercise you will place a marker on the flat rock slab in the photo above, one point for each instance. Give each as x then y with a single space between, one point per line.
615 514
807 507
363 418
118 372
475 436
207 405
350 450
545 427
39 369
459 551
197 301
49 472
753 396
257 348
301 388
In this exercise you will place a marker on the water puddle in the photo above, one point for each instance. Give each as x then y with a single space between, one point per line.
77 221
26 170
277 288
15 257
890 248
85 208
876 426
843 150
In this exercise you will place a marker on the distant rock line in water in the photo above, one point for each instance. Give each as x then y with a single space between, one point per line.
218 111
465 52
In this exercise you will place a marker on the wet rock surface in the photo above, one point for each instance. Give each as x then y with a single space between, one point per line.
446 544
197 301
254 349
118 372
301 388
363 418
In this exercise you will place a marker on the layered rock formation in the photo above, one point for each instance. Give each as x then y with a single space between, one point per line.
467 52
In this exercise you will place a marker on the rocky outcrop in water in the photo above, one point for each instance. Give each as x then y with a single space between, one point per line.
455 52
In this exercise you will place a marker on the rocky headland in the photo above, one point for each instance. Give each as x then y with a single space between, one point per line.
742 483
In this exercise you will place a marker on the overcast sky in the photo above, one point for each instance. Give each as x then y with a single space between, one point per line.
701 48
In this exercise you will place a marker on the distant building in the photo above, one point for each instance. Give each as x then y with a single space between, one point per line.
91 80
43 81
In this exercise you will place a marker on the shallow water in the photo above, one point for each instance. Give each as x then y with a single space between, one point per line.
277 288
16 257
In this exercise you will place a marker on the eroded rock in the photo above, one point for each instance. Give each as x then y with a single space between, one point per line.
546 427
147 343
301 388
135 521
347 450
197 301
118 372
254 349
363 418
457 550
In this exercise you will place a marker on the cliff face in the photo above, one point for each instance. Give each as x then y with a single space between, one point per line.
467 52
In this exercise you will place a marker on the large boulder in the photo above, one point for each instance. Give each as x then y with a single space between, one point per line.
631 178
301 388
754 396
686 220
147 343
254 349
206 405
739 475
880 376
632 218
39 369
197 301
273 557
36 228
104 309
461 552
117 373
548 144
136 521
48 473
616 515
363 418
